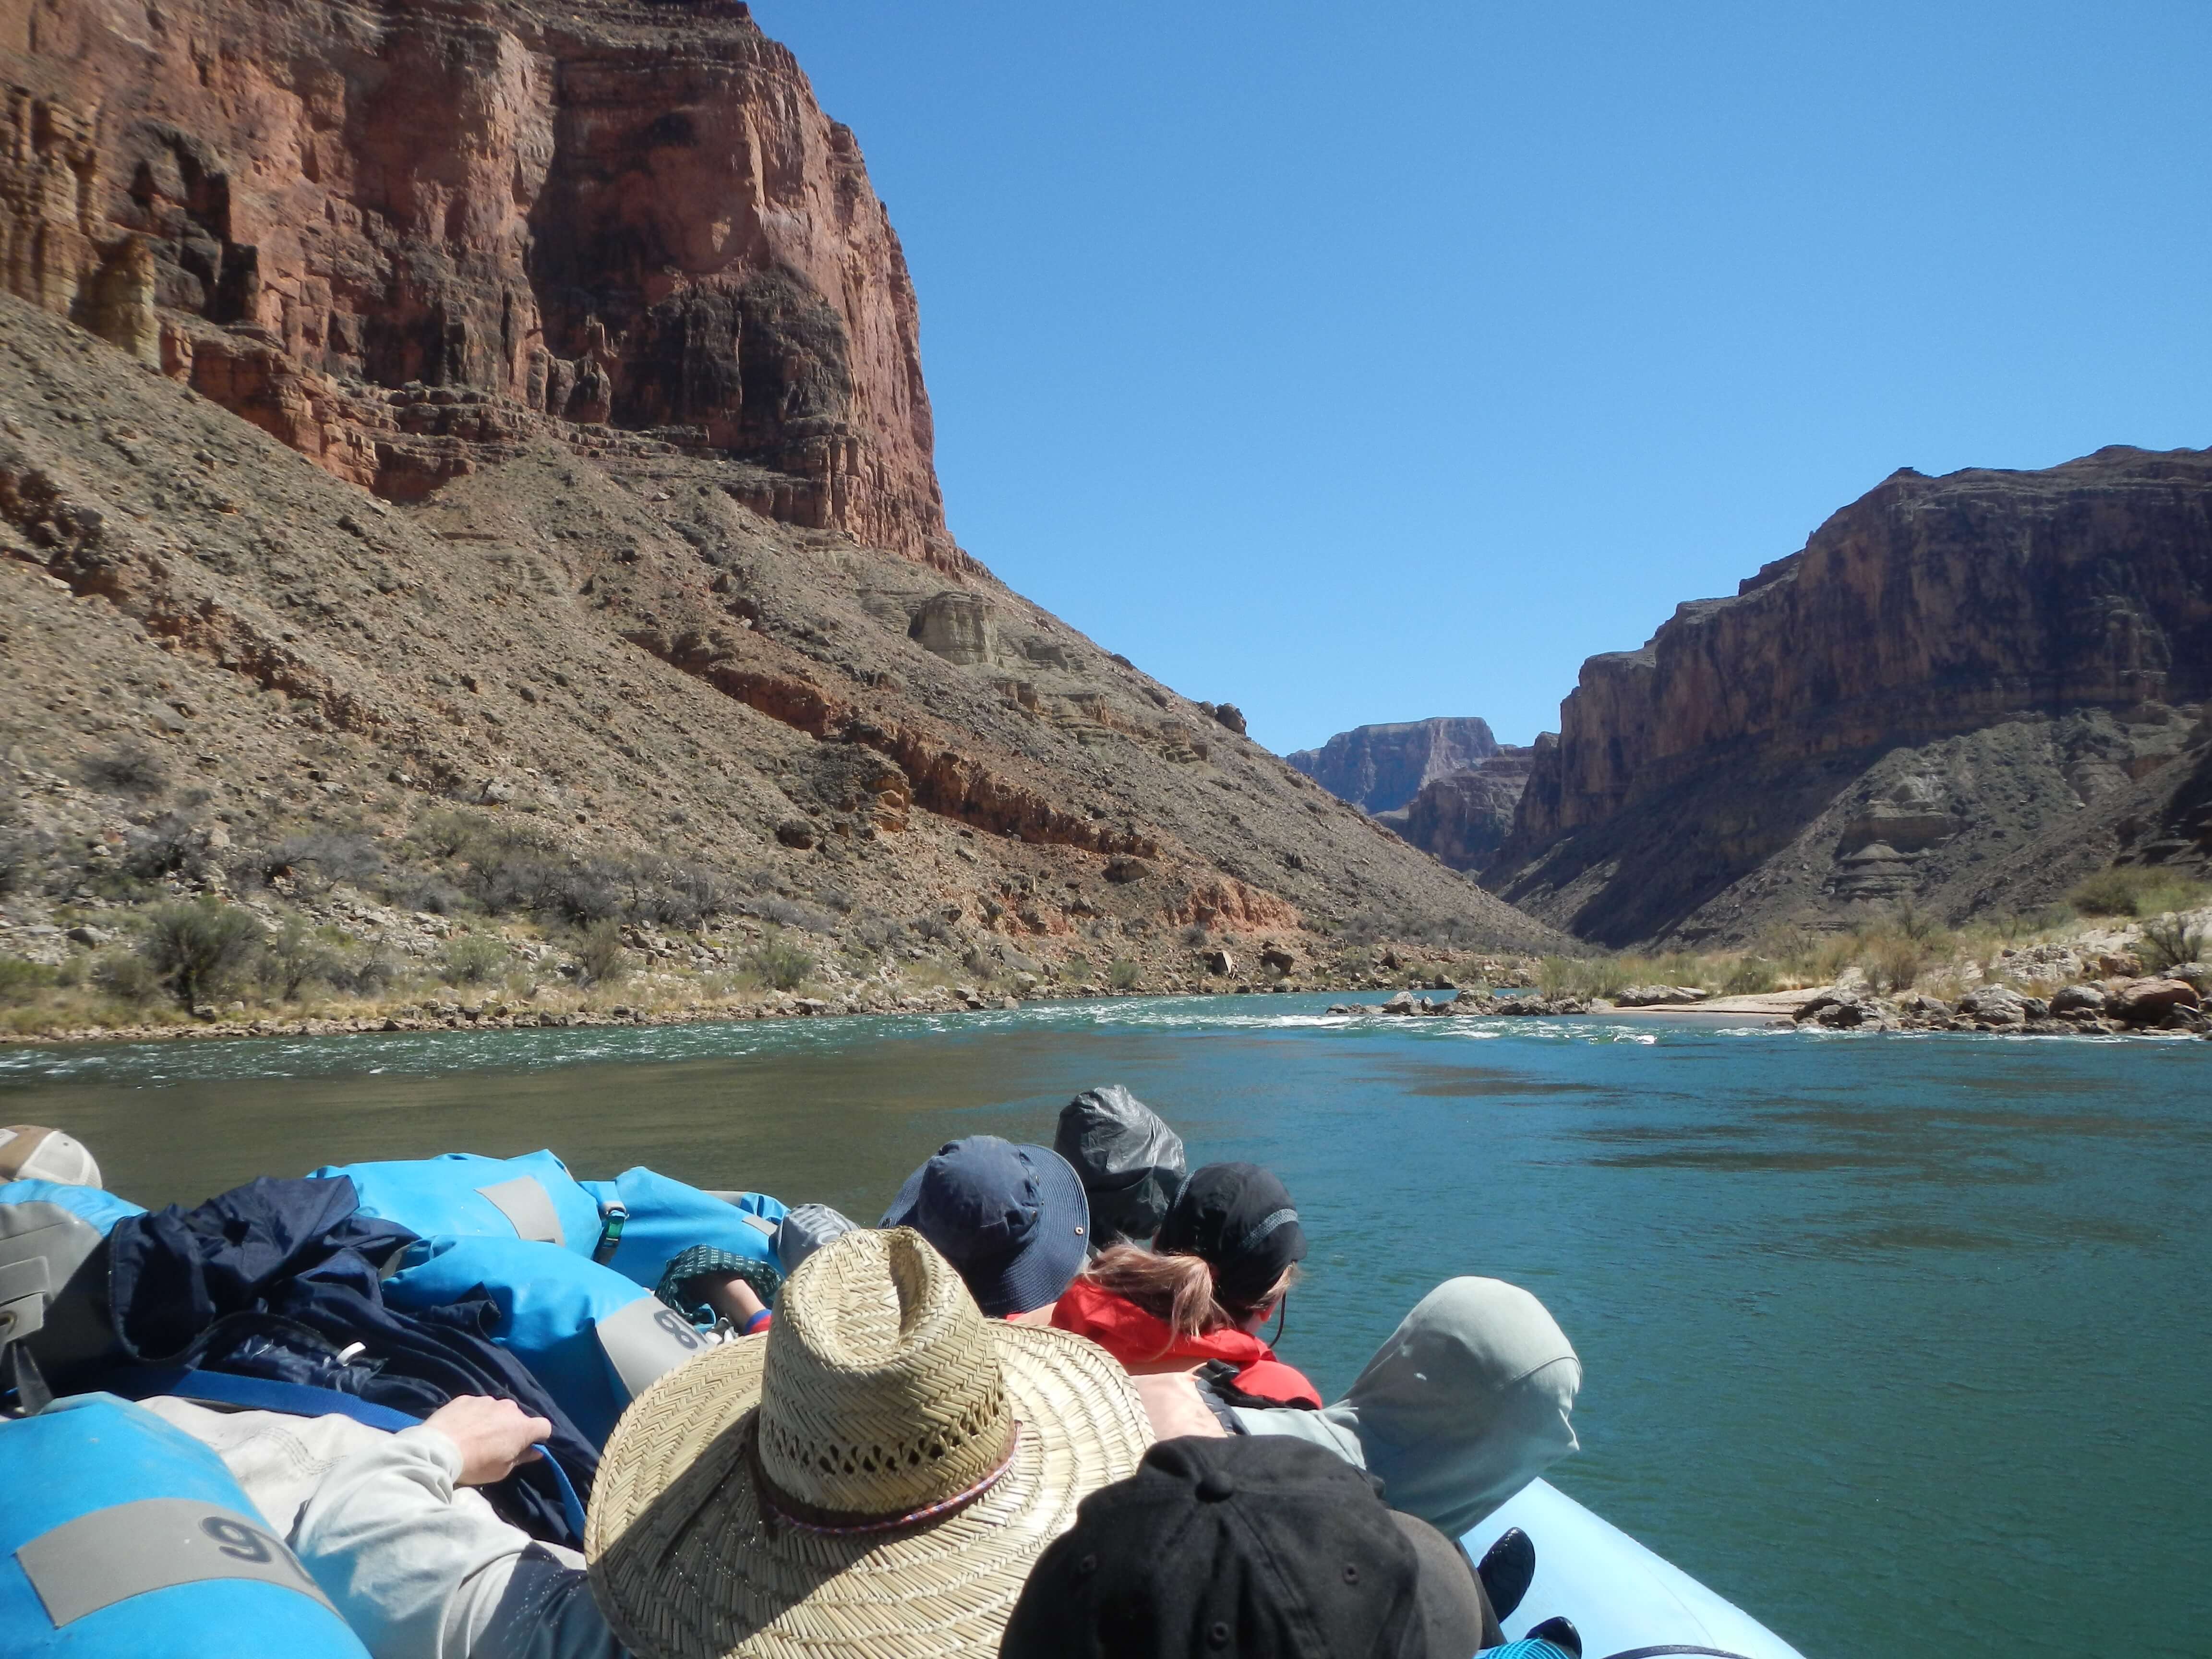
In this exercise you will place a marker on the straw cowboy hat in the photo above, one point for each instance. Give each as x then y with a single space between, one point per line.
873 1476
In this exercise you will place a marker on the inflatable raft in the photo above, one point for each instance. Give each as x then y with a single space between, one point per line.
1626 1602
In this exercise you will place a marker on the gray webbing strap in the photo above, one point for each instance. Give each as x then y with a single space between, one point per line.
22 1279
647 1339
154 1543
528 1206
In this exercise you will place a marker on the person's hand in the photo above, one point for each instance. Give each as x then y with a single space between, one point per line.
1172 1404
729 1295
494 1437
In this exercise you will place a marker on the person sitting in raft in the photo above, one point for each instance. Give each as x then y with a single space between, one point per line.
1248 1549
1130 1163
1469 1399
1228 1254
1013 1220
875 1474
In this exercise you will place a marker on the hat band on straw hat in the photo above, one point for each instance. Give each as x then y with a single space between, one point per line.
808 1517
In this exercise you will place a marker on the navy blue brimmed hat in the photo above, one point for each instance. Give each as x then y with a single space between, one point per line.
1012 1218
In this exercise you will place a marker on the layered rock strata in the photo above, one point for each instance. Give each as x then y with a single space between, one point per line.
1963 692
1380 768
406 238
1463 819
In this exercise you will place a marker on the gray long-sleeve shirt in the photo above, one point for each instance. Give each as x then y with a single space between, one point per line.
420 1567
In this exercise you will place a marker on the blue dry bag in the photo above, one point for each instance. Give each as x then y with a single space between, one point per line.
592 1337
121 1536
661 1219
461 1195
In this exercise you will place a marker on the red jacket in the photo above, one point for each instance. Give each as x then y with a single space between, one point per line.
1137 1338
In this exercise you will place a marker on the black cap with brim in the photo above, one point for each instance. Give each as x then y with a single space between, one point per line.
1239 1217
1257 1546
1012 1219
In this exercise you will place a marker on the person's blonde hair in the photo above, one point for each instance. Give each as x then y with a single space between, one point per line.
1177 1289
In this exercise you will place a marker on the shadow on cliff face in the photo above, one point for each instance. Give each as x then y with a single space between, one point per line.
2003 819
1636 876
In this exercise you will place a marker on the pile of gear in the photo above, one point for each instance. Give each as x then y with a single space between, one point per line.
473 1405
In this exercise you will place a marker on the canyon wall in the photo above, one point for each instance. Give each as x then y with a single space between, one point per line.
431 425
1463 818
405 236
1379 768
1950 671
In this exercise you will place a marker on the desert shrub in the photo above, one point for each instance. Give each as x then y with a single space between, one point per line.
779 963
1893 962
169 846
298 957
366 976
446 834
2129 890
17 861
317 860
1834 953
1123 975
473 958
1749 976
126 975
1076 970
1195 934
1591 977
600 957
2169 942
931 927
127 769
1908 920
877 934
21 979
675 893
198 947
783 912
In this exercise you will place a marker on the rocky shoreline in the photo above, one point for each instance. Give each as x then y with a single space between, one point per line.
2164 1005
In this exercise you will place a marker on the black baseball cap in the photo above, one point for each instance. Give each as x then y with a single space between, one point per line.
1013 1220
1258 1546
1240 1219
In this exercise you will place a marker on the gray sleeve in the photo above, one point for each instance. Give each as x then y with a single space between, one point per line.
1314 1426
421 1570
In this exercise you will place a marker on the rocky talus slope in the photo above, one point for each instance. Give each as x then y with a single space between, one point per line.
468 468
1380 768
1963 694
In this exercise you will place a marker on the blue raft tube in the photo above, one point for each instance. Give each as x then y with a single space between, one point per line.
1625 1601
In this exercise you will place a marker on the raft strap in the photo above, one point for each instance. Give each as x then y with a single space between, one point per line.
610 1230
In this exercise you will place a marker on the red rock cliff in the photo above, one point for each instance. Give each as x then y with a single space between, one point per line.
394 231
1929 607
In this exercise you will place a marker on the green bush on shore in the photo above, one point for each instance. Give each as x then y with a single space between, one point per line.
2133 890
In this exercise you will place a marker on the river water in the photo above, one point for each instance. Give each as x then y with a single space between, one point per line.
1904 1343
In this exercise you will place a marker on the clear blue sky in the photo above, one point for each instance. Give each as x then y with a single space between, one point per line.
1365 362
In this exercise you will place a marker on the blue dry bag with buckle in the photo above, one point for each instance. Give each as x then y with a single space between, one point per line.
661 1219
121 1536
461 1195
591 1336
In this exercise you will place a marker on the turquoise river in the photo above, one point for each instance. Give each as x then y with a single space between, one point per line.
1904 1343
